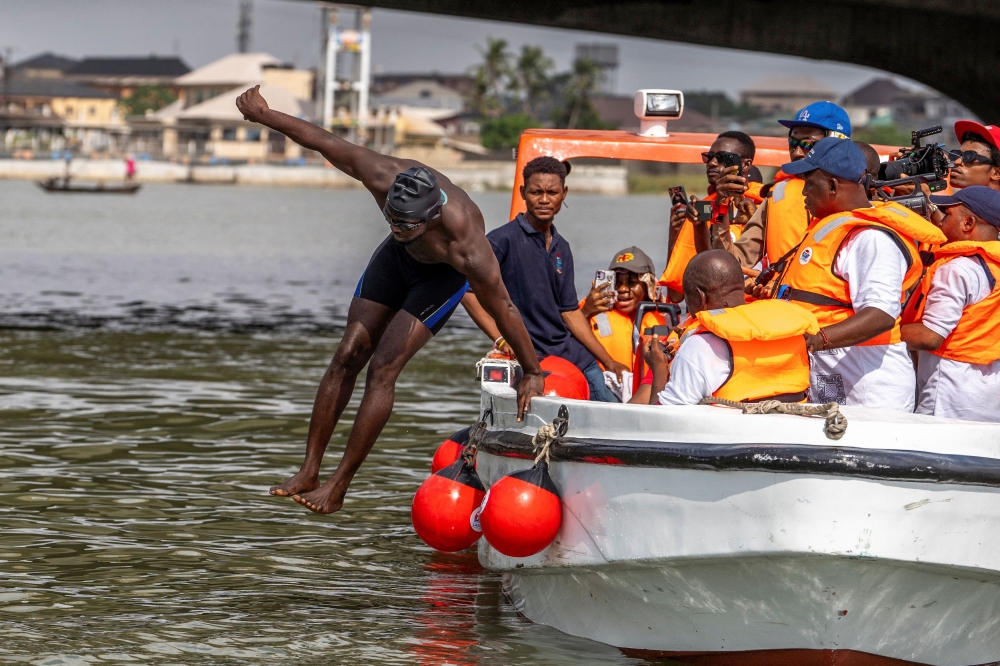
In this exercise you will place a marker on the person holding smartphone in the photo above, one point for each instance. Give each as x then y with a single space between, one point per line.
774 226
730 156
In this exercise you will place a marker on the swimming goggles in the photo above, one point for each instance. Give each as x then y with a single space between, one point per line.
411 225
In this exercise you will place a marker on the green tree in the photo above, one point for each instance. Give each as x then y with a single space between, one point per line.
531 77
491 78
146 98
576 89
503 133
889 135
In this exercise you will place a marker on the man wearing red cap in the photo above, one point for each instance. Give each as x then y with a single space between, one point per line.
977 162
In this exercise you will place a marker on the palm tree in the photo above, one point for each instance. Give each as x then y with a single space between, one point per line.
531 76
584 80
490 77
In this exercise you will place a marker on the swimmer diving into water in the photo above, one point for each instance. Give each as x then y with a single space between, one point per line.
435 251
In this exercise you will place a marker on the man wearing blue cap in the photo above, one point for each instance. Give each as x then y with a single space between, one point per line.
852 271
775 228
956 312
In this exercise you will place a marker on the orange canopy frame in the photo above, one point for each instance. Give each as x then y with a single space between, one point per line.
678 148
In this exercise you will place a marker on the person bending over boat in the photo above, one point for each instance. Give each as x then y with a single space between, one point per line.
776 227
537 268
412 285
853 270
612 318
687 235
731 349
952 317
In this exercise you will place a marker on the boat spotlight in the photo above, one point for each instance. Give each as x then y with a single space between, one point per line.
655 107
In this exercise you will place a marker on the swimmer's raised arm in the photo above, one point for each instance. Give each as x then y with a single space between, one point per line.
375 171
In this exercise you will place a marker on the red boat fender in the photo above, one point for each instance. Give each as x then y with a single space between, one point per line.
564 379
522 512
450 450
443 508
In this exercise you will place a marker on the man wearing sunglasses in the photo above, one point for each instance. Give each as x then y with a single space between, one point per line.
977 161
775 228
726 184
413 283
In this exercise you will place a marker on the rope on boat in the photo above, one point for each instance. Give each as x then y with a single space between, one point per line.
475 439
836 423
549 435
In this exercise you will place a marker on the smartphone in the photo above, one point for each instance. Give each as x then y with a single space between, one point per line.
605 281
727 160
677 196
704 210
661 331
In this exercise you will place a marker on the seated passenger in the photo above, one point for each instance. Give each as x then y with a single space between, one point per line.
536 265
955 312
746 352
613 319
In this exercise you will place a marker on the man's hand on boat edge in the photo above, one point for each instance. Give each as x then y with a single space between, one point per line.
532 384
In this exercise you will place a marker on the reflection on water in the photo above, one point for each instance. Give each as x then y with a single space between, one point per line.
157 370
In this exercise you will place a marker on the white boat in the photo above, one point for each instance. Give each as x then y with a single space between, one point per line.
712 536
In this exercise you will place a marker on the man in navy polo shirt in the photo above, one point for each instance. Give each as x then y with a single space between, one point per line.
536 264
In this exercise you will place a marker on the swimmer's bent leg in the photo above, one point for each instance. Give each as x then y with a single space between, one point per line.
403 338
366 323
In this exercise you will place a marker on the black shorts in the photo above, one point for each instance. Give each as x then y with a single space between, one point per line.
429 292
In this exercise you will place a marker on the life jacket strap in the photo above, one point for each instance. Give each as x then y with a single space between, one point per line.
986 269
787 293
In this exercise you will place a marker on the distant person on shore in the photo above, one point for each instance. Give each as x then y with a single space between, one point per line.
538 272
129 169
416 278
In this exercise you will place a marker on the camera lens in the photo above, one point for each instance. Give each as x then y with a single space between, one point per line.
898 169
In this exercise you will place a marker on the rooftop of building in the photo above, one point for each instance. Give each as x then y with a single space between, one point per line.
152 65
53 88
231 70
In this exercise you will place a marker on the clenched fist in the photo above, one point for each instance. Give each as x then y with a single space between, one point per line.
252 105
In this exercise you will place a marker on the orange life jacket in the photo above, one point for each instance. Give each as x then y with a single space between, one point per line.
768 348
787 218
684 248
616 333
974 339
809 278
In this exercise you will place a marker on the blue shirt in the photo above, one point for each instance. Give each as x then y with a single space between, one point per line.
541 285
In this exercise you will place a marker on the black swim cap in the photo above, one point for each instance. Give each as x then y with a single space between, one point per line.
415 195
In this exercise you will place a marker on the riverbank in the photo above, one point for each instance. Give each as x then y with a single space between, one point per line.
474 176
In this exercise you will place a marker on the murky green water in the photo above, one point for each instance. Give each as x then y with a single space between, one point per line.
156 381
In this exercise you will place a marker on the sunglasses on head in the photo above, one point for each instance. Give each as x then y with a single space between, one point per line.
969 157
804 144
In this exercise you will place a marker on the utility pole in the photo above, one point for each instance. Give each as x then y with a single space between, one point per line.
244 25
330 78
5 75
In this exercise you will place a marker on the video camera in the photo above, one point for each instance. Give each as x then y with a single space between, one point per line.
929 164
920 164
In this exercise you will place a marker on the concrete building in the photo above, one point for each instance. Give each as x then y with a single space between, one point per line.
785 95
882 101
121 76
42 114
204 123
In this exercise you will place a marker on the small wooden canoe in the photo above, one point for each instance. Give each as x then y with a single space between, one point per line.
64 185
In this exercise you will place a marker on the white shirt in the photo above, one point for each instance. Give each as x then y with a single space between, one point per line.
702 364
877 376
948 388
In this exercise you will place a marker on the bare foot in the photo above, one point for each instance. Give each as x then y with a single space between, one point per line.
325 499
301 482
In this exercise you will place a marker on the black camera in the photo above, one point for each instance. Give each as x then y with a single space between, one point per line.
928 164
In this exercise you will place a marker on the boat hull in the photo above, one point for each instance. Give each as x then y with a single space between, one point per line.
702 551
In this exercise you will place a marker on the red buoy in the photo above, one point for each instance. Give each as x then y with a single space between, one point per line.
450 450
522 512
564 379
443 507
